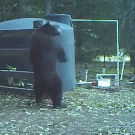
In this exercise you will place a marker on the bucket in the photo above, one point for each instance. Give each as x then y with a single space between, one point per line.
104 83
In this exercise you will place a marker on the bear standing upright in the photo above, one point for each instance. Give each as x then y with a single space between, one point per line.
44 54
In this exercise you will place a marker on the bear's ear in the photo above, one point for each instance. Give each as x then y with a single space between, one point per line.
48 23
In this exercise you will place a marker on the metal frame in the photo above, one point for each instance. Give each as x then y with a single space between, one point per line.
117 39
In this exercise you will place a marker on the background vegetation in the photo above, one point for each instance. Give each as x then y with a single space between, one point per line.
89 111
91 39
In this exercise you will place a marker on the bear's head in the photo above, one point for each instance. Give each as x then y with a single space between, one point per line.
49 29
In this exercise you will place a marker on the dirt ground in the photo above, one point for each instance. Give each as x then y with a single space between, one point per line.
89 112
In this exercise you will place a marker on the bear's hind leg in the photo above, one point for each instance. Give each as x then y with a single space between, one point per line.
57 93
38 92
57 100
38 97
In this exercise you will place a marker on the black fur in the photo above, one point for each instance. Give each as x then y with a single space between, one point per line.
44 53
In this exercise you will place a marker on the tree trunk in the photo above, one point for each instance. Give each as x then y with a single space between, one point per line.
21 9
48 6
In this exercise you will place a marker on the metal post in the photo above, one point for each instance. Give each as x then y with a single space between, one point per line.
117 43
86 72
86 75
123 65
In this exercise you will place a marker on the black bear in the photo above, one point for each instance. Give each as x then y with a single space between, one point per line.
44 54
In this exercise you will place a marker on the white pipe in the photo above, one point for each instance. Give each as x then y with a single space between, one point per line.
85 20
99 76
103 71
117 39
82 83
117 43
86 75
123 65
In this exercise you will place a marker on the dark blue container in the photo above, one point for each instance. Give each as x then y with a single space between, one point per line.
15 40
65 70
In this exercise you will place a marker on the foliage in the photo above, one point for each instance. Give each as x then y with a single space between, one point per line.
96 38
13 79
11 68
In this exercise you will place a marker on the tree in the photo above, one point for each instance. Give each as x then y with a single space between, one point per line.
96 36
48 6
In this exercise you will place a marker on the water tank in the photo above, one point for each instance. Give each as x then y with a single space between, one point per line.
15 38
65 70
62 18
